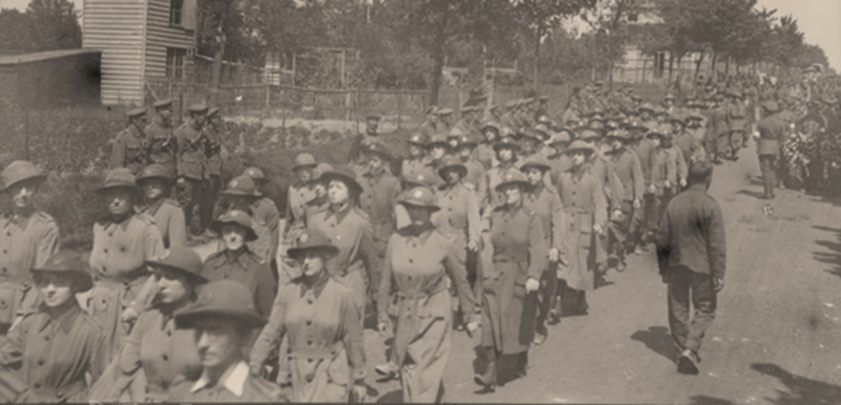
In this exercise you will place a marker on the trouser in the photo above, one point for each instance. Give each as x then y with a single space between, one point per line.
687 286
650 201
768 165
192 195
545 296
619 230
637 226
208 206
736 141
662 202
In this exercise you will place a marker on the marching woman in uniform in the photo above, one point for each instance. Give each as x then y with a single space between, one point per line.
156 181
518 261
223 320
298 195
155 352
122 243
319 317
50 352
349 229
418 260
585 207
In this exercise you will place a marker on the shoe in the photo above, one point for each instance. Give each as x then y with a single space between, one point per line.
488 380
621 266
687 363
540 335
389 370
554 317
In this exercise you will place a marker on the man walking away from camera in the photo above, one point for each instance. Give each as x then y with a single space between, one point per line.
691 252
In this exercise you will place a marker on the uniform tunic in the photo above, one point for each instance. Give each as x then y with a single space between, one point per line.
667 165
153 355
458 216
584 205
214 150
378 198
474 176
493 178
52 355
519 252
692 149
558 164
162 145
357 263
486 155
237 385
246 268
296 199
192 152
414 291
267 212
326 351
169 218
26 242
128 149
118 259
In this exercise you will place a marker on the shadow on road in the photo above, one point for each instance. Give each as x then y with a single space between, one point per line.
658 339
705 400
801 390
755 194
834 257
393 397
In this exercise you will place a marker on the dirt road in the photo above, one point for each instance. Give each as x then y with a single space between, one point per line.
775 339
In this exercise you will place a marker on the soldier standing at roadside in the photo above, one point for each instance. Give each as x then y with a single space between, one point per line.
129 147
162 145
213 132
192 170
156 181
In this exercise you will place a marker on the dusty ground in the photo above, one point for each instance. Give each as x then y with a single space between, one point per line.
774 341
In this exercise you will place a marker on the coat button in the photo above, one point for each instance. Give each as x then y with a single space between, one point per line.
309 301
309 323
411 261
36 385
59 394
47 338
40 362
4 251
165 357
169 333
309 342
309 378
106 250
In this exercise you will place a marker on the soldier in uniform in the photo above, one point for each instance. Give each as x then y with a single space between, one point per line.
418 261
559 161
192 171
475 171
544 201
350 230
585 218
242 195
445 117
718 139
162 146
379 195
430 126
213 132
129 147
28 237
511 281
223 319
773 132
156 181
356 156
691 148
668 172
625 164
52 352
122 242
266 211
319 189
692 261
542 108
156 352
238 263
317 314
299 193
484 151
437 148
506 153
417 154
737 123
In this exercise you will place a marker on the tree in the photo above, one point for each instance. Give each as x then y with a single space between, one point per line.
15 34
54 25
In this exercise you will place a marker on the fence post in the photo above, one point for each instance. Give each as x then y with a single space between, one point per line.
356 110
348 102
399 106
268 89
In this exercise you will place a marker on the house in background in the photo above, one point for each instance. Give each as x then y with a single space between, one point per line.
49 79
140 41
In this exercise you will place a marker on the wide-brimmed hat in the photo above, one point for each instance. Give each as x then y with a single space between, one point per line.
451 163
438 139
506 142
344 174
378 149
241 186
167 102
136 112
579 145
212 112
564 135
513 177
620 134
511 103
119 177
418 138
238 217
466 140
589 133
18 171
423 178
419 197
490 124
223 298
312 239
444 111
770 106
635 124
182 260
304 159
678 118
198 108
536 160
319 171
669 96
155 171
69 262
647 107
255 174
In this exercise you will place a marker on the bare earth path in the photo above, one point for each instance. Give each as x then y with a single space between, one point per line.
775 339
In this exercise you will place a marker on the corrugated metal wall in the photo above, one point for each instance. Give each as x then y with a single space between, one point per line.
160 35
116 27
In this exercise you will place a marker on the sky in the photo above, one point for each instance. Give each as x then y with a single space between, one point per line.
820 20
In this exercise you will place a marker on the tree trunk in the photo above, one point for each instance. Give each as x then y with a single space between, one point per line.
221 39
538 33
712 63
671 65
438 57
727 67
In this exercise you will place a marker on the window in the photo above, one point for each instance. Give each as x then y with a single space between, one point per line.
175 7
175 63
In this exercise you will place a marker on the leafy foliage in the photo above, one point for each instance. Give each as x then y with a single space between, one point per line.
46 25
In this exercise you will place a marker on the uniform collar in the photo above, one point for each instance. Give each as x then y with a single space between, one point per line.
135 132
153 208
233 380
240 256
160 122
318 286
65 319
107 221
340 215
21 220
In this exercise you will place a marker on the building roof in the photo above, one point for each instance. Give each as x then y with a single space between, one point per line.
41 56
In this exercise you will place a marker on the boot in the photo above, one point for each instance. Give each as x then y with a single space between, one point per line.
522 364
488 379
556 310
